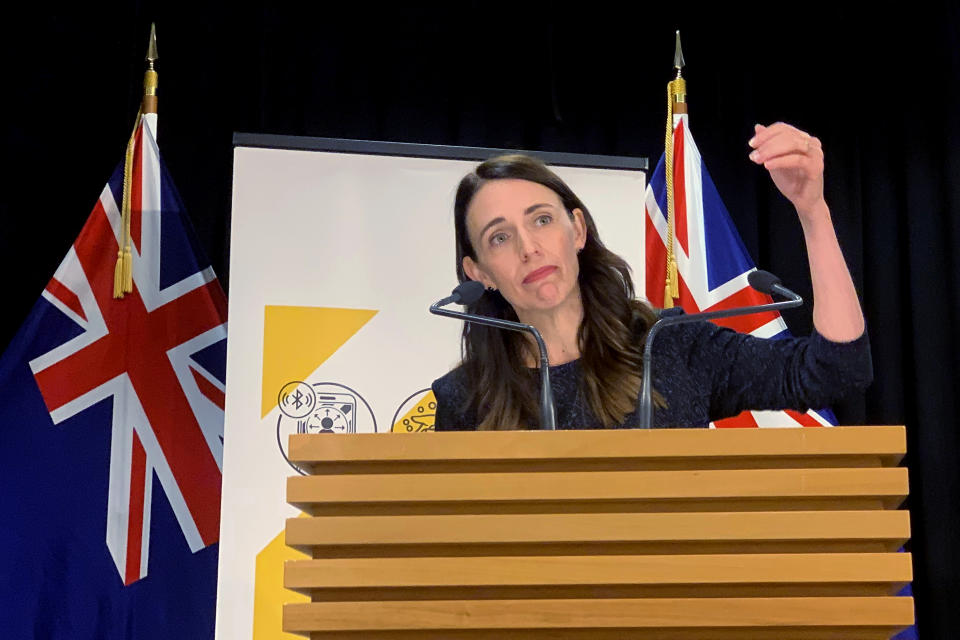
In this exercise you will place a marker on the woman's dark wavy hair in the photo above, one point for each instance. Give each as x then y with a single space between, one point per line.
611 336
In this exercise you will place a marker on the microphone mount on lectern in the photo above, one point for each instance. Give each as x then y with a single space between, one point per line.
470 291
762 281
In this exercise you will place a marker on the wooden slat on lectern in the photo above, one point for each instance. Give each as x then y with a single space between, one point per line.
654 614
886 487
438 572
885 446
891 528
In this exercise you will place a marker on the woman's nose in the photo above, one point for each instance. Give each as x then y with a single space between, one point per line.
527 246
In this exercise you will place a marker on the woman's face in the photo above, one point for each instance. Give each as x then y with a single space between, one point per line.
526 244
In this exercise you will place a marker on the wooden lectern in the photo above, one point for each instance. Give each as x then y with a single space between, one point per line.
668 534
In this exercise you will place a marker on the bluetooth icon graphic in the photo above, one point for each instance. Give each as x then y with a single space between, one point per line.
297 399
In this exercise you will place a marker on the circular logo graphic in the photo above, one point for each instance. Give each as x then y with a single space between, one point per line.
321 407
416 413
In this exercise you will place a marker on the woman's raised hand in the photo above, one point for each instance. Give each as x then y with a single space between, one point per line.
794 159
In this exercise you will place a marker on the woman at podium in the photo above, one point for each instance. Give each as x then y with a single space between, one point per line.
533 244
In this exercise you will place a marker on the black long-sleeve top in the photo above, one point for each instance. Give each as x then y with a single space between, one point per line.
704 373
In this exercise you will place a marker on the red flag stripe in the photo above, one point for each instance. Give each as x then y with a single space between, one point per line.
804 419
744 420
215 395
656 260
136 189
680 190
67 297
138 470
745 297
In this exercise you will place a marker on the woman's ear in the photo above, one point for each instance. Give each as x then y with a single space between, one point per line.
579 228
474 272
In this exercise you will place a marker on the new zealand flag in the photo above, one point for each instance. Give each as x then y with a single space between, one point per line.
111 430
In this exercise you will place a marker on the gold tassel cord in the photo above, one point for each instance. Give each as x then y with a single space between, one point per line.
671 290
123 270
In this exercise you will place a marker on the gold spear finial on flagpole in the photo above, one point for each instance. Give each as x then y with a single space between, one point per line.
123 270
149 104
678 62
152 47
676 104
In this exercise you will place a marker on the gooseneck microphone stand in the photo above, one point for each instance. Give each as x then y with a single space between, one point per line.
469 292
762 281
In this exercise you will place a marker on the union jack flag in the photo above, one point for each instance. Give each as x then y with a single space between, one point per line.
712 262
112 429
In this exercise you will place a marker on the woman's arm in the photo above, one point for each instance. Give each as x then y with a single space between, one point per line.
795 162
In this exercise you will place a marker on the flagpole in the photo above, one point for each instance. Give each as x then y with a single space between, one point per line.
123 271
149 103
676 104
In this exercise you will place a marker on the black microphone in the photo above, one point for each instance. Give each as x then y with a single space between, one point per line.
467 293
766 282
762 281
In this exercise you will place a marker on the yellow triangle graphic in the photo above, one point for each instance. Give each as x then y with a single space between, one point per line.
269 594
297 340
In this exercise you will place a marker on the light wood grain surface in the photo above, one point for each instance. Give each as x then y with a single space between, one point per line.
787 534
620 613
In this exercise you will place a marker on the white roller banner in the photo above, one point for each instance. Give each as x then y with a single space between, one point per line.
335 258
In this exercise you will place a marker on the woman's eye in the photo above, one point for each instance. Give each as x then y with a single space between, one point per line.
497 239
543 219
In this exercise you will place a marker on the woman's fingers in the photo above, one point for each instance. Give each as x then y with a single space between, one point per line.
790 161
762 133
774 142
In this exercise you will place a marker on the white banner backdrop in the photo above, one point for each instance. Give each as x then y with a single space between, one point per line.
335 258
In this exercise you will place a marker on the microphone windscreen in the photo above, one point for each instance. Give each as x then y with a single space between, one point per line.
468 292
762 281
669 313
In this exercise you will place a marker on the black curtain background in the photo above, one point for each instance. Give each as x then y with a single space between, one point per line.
877 83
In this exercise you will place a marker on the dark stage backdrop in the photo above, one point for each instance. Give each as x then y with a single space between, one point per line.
878 84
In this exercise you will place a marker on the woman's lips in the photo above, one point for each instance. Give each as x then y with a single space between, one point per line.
542 272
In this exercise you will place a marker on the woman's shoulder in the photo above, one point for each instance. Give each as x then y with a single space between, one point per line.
452 385
452 393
